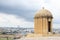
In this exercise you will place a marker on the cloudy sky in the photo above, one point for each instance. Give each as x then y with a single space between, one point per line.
15 13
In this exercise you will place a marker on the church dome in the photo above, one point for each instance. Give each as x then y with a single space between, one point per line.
43 13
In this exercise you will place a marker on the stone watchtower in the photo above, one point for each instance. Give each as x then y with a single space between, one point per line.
43 22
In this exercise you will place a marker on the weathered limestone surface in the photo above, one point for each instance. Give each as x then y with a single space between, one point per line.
40 38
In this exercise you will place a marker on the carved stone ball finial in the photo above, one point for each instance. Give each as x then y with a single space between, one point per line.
42 7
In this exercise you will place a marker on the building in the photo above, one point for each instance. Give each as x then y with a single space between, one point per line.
42 27
43 22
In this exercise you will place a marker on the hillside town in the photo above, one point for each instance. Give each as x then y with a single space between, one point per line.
16 30
20 30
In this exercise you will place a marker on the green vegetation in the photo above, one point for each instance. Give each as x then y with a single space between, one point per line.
6 38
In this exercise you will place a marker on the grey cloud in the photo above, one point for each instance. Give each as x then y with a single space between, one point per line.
24 12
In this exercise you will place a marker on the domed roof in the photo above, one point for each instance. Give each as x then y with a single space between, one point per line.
43 13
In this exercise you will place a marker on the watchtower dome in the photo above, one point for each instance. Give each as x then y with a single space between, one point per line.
43 22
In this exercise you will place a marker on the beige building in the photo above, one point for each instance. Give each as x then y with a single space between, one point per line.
43 22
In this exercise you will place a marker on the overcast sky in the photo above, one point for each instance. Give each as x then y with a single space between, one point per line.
21 13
